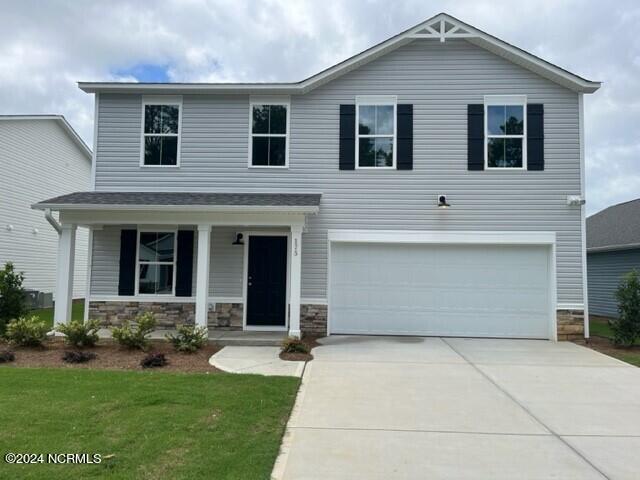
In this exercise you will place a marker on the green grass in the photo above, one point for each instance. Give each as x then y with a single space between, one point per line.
46 314
156 425
600 328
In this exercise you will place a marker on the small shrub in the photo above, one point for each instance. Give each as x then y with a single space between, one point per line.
626 328
7 356
77 356
294 345
80 334
135 337
189 338
27 331
154 360
12 304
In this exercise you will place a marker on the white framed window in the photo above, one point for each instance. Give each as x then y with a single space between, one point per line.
269 132
505 128
376 132
161 127
156 262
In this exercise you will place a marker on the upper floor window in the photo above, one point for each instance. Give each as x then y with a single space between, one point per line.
156 263
161 132
269 134
376 132
505 132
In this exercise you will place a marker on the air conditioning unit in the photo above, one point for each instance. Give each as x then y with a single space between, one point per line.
36 299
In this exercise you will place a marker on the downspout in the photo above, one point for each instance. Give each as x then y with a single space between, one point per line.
52 221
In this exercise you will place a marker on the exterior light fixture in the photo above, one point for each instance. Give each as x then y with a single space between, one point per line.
442 201
238 240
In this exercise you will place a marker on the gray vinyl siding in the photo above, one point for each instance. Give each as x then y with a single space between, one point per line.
604 272
439 79
39 160
225 273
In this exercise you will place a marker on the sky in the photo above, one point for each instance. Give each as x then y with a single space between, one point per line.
48 46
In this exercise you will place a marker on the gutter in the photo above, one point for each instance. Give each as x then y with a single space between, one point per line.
52 221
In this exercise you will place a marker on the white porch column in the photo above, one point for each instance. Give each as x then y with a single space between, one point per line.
64 274
294 289
202 279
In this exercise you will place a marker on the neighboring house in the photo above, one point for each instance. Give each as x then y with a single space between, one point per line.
315 206
39 155
613 250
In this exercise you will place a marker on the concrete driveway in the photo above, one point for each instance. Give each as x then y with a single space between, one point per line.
413 408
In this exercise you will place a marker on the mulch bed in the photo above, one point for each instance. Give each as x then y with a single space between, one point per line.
310 342
113 357
604 345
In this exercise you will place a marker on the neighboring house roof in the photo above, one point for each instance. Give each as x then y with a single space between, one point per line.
615 228
307 202
440 27
66 126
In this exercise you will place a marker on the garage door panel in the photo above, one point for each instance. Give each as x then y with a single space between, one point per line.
440 290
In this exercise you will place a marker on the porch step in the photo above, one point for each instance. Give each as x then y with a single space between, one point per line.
246 338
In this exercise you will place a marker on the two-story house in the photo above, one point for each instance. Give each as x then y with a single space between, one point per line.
430 185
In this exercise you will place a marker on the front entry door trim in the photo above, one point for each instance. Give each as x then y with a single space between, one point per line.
247 236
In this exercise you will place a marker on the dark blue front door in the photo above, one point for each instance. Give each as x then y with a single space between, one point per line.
267 281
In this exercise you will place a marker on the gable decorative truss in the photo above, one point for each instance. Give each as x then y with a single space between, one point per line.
441 27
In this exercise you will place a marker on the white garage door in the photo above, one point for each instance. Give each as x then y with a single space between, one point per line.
444 290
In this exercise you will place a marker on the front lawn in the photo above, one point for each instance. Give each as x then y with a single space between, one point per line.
602 341
147 424
46 314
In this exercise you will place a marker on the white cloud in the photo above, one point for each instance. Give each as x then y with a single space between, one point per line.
47 46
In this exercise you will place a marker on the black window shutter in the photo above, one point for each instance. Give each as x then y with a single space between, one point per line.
405 136
184 263
347 157
535 136
127 275
475 137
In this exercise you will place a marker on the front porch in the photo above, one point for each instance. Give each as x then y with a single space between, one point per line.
228 262
239 338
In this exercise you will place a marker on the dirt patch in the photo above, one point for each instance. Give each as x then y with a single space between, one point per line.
311 342
109 355
604 345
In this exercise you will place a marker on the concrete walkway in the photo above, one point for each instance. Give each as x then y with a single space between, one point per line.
400 407
257 360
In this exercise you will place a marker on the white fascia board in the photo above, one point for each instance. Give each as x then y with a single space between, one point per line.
474 35
440 237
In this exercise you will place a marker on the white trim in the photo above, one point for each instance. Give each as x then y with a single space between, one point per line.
270 100
500 100
246 235
94 155
444 237
64 274
313 301
149 229
377 100
583 221
226 300
424 29
87 294
118 217
161 100
546 239
569 306
142 299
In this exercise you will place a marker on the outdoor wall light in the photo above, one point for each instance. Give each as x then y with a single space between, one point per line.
442 201
238 240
